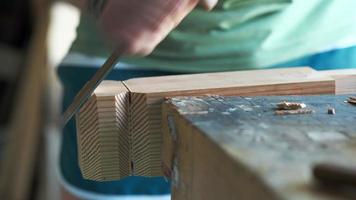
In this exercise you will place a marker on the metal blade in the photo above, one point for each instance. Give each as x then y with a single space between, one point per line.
90 86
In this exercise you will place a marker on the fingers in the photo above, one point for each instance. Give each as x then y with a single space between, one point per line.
140 27
208 4
174 12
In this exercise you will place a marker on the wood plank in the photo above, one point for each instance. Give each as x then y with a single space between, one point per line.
237 148
219 80
345 80
147 94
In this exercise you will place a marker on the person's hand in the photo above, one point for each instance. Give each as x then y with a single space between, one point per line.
139 25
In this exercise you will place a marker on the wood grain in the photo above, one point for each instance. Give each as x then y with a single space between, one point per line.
236 148
345 80
103 133
147 95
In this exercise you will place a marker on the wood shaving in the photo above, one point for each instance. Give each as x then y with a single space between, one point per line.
294 112
284 105
352 100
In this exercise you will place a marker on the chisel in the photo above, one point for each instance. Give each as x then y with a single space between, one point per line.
90 86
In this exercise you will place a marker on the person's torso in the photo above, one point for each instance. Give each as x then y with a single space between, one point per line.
245 34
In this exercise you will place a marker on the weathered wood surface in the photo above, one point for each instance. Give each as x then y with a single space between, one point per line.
237 148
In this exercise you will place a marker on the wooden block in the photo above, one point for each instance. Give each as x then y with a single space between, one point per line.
147 94
103 135
237 148
345 80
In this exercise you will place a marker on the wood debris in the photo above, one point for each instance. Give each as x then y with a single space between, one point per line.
294 112
292 108
284 105
352 100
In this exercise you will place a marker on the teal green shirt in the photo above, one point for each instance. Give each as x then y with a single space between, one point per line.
243 34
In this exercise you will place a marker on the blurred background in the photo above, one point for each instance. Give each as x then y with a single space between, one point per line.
30 94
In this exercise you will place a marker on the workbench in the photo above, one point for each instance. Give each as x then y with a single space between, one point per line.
238 148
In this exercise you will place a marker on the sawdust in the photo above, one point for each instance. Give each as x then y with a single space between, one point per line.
285 105
352 100
292 108
294 112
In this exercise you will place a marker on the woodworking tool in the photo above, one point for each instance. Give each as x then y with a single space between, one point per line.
270 155
90 86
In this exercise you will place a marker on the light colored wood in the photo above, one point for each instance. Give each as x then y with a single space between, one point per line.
17 171
147 94
222 80
236 148
103 135
345 80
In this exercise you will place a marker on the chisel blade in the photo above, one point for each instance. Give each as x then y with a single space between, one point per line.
90 86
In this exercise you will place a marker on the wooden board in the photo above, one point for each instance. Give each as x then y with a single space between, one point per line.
144 111
345 80
237 148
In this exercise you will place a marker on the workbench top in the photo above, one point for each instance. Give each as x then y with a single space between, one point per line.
237 147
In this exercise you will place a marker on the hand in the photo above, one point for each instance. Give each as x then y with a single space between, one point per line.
140 25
